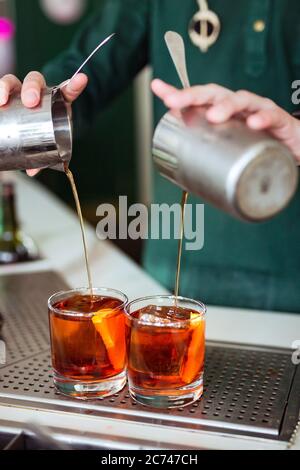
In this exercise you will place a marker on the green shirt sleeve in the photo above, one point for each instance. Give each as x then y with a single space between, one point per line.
111 70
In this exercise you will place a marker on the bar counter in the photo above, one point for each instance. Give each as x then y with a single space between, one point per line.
55 229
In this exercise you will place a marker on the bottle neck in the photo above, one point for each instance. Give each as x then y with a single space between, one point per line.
8 217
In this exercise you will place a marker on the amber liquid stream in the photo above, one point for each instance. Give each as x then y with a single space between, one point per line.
79 211
180 243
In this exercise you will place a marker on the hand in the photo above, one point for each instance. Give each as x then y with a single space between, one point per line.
222 104
31 91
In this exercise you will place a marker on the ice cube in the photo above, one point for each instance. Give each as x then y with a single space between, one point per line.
163 315
156 320
154 315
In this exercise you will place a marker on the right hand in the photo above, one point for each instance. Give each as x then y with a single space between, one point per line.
31 90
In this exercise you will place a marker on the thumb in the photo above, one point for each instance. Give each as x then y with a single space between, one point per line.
76 86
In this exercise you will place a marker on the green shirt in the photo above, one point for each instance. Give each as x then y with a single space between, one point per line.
253 266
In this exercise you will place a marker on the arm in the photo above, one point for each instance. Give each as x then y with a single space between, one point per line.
222 104
109 71
113 67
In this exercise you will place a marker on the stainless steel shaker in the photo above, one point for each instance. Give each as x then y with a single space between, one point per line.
246 173
36 138
243 172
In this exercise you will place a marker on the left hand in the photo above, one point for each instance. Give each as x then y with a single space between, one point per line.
31 92
222 104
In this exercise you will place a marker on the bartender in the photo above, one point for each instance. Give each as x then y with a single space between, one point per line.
252 45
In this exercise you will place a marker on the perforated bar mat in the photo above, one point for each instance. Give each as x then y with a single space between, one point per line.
248 391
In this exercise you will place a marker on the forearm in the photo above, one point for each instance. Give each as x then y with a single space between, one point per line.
111 69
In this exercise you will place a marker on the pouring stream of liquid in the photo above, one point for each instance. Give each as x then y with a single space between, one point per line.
79 211
176 49
185 196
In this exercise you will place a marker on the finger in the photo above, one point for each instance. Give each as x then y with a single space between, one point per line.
280 124
162 89
76 86
8 85
32 173
276 119
32 88
237 103
196 96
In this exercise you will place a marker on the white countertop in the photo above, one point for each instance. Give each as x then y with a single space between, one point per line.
55 229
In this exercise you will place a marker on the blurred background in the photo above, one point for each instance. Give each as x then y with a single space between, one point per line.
33 32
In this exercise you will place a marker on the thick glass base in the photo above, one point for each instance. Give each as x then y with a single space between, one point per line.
89 390
166 399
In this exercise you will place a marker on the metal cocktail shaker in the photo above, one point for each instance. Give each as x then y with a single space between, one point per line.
243 172
36 138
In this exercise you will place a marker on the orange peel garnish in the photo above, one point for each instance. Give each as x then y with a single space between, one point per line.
107 326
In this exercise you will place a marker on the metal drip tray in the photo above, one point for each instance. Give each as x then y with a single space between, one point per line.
248 391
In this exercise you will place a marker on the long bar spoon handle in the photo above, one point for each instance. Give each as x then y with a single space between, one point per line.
64 84
176 48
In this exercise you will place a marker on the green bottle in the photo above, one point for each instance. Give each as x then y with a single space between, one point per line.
15 247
